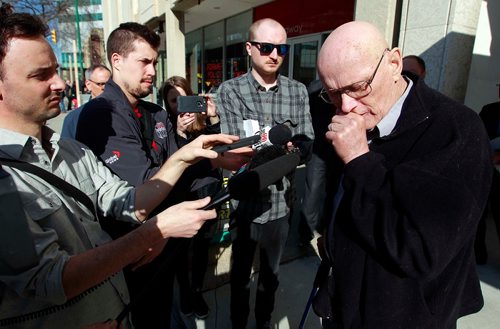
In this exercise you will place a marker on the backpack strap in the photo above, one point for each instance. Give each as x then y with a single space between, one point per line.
53 180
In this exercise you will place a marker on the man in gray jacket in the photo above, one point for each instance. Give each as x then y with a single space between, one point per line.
76 279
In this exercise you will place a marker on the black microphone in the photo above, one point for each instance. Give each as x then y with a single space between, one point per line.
251 182
277 135
244 185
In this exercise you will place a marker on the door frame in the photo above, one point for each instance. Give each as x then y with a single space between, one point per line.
302 39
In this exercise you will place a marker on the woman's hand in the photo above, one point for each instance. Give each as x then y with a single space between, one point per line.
212 114
211 108
184 120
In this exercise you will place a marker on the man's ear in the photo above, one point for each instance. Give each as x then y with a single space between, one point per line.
396 62
116 60
1 90
248 47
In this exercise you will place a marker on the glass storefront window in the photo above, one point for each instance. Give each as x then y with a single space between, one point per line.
207 51
304 61
236 36
213 52
194 42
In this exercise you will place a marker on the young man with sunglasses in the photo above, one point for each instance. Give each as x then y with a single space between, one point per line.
400 241
95 80
259 98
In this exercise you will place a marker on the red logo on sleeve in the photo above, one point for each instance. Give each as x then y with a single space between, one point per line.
112 159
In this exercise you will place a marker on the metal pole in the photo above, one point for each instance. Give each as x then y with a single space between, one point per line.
80 62
76 75
70 64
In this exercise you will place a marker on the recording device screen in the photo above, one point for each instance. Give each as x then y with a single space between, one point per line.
191 104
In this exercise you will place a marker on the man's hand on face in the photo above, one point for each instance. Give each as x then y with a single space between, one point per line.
347 134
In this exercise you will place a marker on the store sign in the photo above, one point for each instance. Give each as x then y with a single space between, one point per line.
214 73
306 17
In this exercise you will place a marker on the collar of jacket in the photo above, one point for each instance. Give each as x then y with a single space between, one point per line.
114 93
417 108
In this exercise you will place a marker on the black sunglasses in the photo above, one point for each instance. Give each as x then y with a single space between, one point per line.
267 48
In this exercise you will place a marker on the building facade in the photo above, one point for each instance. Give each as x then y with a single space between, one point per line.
81 31
203 40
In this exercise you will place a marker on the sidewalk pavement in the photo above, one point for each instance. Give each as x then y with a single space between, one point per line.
297 273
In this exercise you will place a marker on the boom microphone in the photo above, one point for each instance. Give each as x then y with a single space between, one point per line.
251 182
277 135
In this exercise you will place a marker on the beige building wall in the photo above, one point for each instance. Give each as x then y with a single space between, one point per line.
441 32
175 42
381 13
153 13
484 73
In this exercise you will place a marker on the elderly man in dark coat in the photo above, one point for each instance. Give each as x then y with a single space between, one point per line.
400 244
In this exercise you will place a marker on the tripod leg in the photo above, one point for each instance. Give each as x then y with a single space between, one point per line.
308 307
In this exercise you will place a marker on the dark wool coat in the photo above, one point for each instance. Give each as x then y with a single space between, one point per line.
402 241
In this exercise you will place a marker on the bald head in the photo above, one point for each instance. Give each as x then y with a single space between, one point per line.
360 72
267 25
265 64
351 43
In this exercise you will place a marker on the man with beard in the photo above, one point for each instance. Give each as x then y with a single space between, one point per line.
74 277
127 133
259 98
134 138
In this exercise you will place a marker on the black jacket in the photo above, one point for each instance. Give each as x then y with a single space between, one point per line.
402 241
112 130
490 114
134 143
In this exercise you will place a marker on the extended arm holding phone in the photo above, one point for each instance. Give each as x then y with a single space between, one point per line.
196 115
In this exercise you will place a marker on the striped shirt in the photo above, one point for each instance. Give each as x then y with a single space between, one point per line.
243 100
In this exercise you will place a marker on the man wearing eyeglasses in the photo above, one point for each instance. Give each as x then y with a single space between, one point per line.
400 242
95 80
259 98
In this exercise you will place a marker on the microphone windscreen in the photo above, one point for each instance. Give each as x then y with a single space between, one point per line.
250 183
265 155
280 134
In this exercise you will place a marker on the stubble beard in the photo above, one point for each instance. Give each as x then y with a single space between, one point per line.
139 92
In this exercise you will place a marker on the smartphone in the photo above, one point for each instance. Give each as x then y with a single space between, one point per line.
191 104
